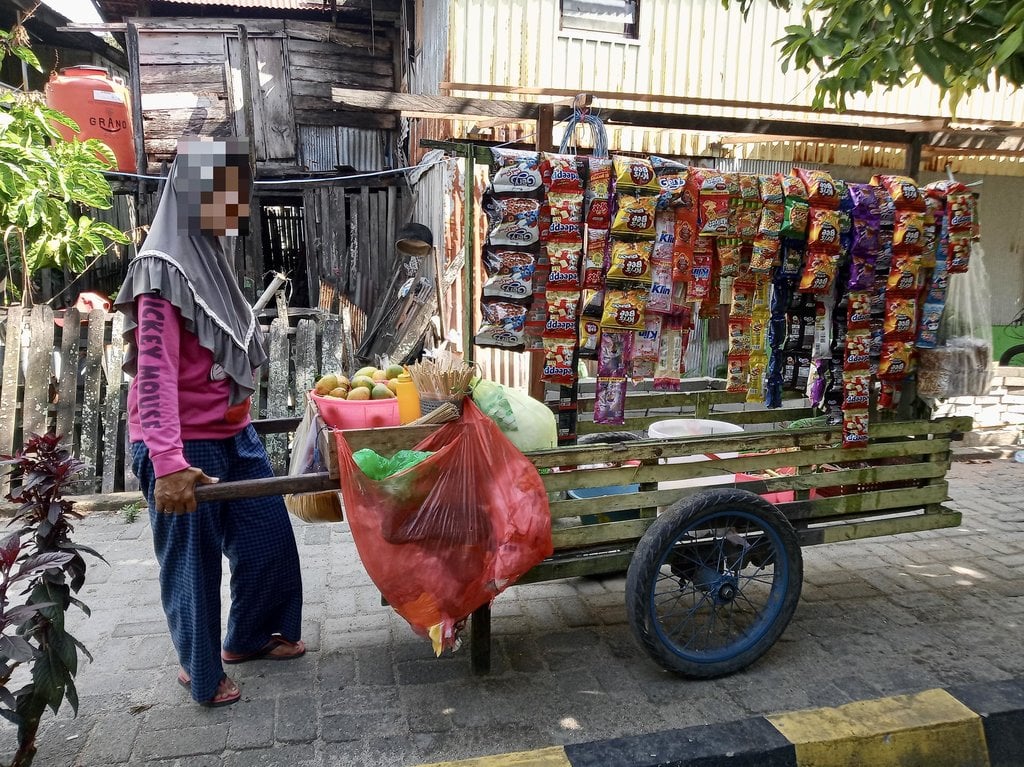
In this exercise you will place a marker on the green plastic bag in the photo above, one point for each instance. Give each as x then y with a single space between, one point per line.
377 467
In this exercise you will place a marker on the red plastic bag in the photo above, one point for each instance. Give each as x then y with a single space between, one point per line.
449 534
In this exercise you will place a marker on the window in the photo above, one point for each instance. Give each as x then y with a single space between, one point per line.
613 17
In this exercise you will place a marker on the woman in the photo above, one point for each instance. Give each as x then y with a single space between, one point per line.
193 344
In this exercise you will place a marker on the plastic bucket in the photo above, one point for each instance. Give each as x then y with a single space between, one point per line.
693 427
584 493
356 414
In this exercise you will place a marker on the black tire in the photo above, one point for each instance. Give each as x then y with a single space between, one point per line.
1006 358
608 437
673 564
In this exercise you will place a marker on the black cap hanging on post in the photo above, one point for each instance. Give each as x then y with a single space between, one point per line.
415 240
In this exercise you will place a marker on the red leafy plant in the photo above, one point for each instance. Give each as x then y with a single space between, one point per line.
40 570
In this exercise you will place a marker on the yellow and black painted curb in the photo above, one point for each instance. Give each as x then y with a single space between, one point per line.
980 725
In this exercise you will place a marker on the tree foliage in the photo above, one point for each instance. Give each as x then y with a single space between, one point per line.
860 44
45 181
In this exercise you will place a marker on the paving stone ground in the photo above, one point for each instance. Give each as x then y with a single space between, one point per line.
877 617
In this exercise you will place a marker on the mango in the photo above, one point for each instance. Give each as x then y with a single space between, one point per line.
379 376
367 372
362 382
341 392
393 385
381 391
359 393
326 384
393 371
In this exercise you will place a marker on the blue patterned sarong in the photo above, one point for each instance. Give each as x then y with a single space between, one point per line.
255 534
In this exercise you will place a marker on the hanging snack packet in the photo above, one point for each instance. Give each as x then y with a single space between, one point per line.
566 218
896 362
931 317
748 220
668 371
793 187
612 353
857 354
773 381
959 252
715 207
599 179
902 189
672 180
599 213
561 174
624 309
563 313
512 220
742 304
659 300
823 230
646 345
858 310
558 359
856 391
798 332
764 256
634 217
939 283
821 189
771 191
855 429
761 301
594 257
684 237
680 295
503 325
905 275
699 287
900 318
794 219
739 335
770 223
822 345
862 273
664 237
819 273
635 176
593 303
564 261
516 172
610 401
729 257
737 372
757 367
749 190
630 261
590 338
960 208
511 274
908 232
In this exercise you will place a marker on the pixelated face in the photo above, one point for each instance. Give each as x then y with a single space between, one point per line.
213 185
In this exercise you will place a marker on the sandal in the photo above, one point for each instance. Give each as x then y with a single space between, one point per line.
228 691
278 648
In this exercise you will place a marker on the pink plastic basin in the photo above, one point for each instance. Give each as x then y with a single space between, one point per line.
356 414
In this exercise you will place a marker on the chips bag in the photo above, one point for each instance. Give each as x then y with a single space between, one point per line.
515 171
634 217
610 401
503 325
635 176
794 219
561 174
902 189
563 313
822 191
558 362
630 261
564 264
513 220
624 309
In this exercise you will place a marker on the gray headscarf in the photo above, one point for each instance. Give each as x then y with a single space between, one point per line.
189 268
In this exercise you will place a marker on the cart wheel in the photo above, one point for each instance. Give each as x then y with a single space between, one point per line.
713 583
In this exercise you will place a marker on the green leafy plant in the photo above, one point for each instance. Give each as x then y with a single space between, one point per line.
860 44
45 182
130 511
41 555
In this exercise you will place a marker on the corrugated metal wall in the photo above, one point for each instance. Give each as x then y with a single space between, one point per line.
325 147
695 49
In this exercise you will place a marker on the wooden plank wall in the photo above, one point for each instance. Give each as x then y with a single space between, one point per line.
190 73
68 381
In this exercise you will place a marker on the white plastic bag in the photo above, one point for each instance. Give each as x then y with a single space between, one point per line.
307 458
967 329
529 424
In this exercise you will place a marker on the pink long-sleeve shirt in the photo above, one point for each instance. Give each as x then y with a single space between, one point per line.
172 397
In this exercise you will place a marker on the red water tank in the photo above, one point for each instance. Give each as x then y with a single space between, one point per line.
100 105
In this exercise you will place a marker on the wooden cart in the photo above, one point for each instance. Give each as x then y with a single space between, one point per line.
714 571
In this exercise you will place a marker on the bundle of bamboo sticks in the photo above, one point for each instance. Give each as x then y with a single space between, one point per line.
445 378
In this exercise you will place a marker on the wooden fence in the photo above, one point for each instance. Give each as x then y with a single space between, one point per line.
67 380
